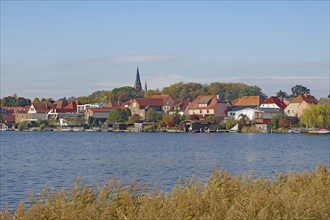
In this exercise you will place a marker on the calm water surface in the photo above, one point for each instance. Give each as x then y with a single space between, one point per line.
31 159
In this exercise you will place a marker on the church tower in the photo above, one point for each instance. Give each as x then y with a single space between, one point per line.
137 84
145 86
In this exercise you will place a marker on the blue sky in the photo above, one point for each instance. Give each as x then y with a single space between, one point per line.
61 49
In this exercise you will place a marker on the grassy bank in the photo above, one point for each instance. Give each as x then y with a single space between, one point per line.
293 196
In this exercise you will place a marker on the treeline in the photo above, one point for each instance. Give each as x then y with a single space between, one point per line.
11 101
226 91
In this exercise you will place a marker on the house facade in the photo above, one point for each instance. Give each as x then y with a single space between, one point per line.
273 102
167 101
139 106
207 105
180 107
299 104
98 113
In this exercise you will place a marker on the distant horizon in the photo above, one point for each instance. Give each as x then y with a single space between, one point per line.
56 49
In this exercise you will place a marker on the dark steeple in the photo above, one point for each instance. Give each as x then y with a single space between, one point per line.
137 84
145 86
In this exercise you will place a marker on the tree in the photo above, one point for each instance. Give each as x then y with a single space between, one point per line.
118 115
36 100
276 119
230 123
316 116
134 119
250 91
211 118
151 92
299 90
152 115
282 94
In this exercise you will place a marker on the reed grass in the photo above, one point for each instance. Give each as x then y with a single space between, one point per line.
303 195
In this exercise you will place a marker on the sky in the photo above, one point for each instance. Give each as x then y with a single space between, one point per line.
56 49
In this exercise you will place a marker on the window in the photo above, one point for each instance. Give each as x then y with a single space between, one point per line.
200 111
207 111
134 104
289 111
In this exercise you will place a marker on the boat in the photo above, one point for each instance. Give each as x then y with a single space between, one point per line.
321 131
294 131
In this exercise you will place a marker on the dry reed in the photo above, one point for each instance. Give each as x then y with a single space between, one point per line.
303 195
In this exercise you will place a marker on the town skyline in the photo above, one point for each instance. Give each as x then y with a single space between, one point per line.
64 49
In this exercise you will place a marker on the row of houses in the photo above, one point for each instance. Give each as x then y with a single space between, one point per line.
256 109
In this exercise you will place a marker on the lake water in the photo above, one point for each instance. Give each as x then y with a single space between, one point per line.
31 159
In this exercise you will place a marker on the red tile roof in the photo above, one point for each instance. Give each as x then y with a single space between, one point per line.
275 100
73 105
209 100
149 102
60 103
8 118
43 107
305 97
163 97
249 100
182 104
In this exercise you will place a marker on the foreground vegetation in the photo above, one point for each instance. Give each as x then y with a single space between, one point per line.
294 196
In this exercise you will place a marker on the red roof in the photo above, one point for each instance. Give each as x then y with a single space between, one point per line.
162 97
8 118
73 106
182 104
60 103
43 107
248 101
149 102
204 102
305 97
275 100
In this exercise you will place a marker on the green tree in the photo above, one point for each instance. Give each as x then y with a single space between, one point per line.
151 92
36 100
230 123
299 90
211 118
316 116
118 115
276 120
134 119
250 91
282 94
152 115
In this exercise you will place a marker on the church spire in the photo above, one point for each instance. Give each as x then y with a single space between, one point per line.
145 86
137 84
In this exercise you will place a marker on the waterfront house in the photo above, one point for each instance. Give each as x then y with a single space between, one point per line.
195 125
273 102
40 110
207 105
250 113
98 113
8 120
264 115
299 104
180 107
139 106
21 114
167 101
231 110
